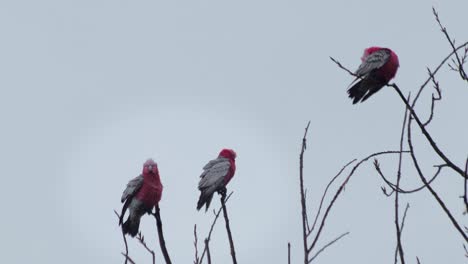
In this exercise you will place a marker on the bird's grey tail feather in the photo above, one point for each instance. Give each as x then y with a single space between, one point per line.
131 226
204 199
357 92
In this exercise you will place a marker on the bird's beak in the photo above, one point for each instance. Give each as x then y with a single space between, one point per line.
150 168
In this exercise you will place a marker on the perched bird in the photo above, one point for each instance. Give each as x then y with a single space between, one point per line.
141 195
378 67
216 175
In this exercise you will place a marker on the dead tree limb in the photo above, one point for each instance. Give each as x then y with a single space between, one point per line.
208 238
327 245
141 239
340 190
397 218
303 201
431 190
162 242
228 228
127 257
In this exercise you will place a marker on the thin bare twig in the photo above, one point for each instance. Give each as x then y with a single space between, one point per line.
303 201
397 219
343 67
289 253
401 229
404 217
421 88
208 254
401 190
162 242
127 258
195 244
465 187
228 228
208 238
325 193
327 245
340 189
459 61
309 230
426 134
438 97
431 190
141 238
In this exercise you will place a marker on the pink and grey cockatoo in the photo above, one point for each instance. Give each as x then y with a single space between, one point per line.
216 175
141 195
378 67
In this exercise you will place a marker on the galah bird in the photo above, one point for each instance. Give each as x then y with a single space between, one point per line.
141 195
378 67
216 175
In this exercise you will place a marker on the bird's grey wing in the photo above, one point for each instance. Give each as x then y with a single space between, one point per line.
132 187
212 163
214 173
373 61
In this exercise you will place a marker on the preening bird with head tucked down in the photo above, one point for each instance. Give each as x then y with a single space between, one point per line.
378 67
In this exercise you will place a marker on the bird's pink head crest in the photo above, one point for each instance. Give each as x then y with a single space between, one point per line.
228 153
150 167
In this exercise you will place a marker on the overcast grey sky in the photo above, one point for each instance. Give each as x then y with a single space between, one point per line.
91 89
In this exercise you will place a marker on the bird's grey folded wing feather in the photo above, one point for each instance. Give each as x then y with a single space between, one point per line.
214 173
373 61
132 187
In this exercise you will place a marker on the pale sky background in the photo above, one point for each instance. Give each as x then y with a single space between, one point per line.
91 89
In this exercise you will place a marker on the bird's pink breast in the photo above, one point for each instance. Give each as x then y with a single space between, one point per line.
150 193
231 172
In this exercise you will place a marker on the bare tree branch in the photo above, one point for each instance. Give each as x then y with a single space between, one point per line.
302 192
309 230
228 228
459 61
340 189
208 254
421 88
431 190
127 258
325 193
141 238
289 253
435 98
401 230
401 190
343 67
426 134
162 242
465 187
397 219
208 238
327 245
195 244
